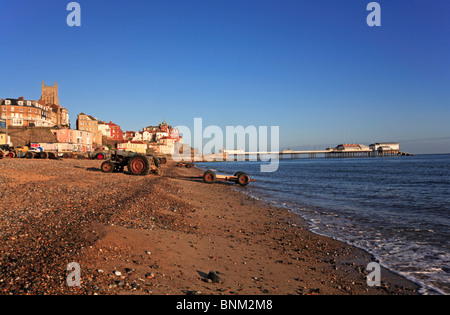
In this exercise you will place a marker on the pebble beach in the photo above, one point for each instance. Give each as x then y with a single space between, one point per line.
162 235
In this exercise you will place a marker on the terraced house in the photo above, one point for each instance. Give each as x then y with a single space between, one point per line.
30 113
23 113
90 123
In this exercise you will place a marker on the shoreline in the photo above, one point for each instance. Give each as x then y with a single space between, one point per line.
314 227
309 226
162 235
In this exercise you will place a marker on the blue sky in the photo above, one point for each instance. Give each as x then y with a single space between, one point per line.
314 68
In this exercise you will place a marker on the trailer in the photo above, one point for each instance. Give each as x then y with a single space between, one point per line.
240 178
210 177
54 150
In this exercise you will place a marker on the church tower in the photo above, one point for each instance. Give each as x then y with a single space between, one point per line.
50 93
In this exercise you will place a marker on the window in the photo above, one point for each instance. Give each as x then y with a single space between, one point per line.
17 122
12 109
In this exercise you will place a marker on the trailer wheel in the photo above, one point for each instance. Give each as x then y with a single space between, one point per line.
29 155
43 155
209 177
65 156
51 155
243 179
107 167
138 165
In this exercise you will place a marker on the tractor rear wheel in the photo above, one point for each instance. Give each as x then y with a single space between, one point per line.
29 155
107 167
138 165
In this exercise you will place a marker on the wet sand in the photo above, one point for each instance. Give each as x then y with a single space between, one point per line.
162 235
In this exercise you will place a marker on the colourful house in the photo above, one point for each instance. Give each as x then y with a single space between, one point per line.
133 146
81 139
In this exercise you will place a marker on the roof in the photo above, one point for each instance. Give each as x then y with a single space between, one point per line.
83 114
173 138
134 142
349 145
385 143
15 101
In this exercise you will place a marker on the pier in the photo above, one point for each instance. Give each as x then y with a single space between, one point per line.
341 151
247 156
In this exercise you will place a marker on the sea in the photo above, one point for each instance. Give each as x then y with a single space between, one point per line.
396 208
